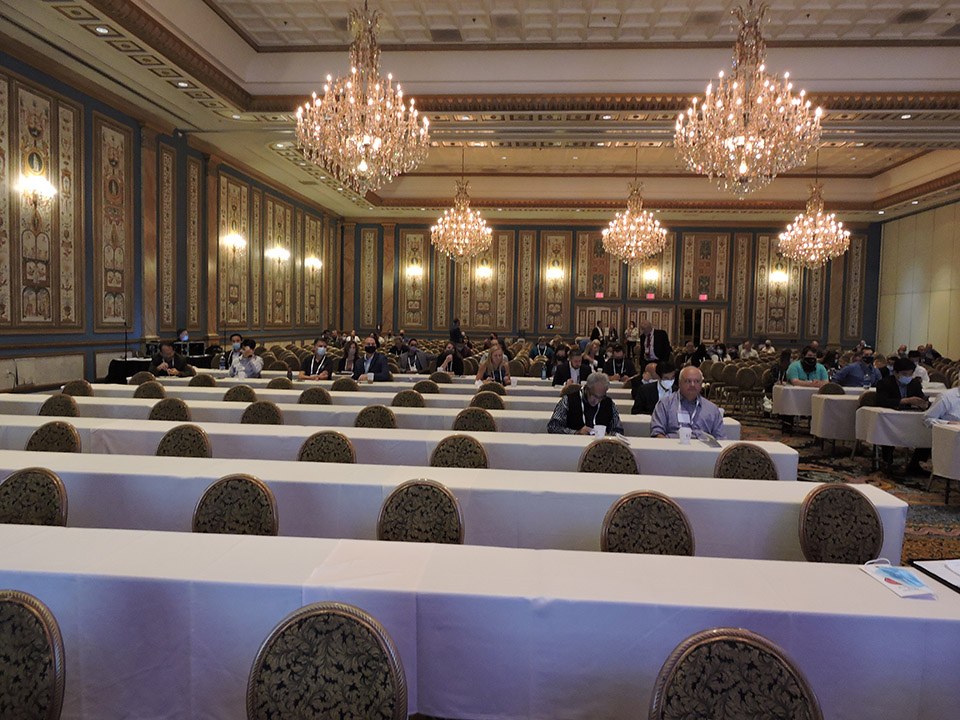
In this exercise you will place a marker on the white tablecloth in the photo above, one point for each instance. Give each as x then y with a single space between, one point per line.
899 428
508 508
834 417
946 451
399 377
168 624
518 421
511 451
793 400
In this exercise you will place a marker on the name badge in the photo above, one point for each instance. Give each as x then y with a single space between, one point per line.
683 417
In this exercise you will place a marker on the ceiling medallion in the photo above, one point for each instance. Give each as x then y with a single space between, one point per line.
634 234
361 130
750 127
814 238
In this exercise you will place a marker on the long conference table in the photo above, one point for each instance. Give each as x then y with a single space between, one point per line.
159 624
511 451
945 454
797 400
506 508
514 421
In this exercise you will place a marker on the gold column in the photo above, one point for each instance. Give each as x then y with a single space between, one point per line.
213 246
348 246
148 184
389 262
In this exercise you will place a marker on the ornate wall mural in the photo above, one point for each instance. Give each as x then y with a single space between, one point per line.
777 303
313 273
278 272
556 255
653 276
815 293
6 313
597 271
587 316
70 198
414 281
856 269
484 286
526 279
441 291
704 266
255 253
661 316
298 266
233 261
369 277
742 275
194 249
166 237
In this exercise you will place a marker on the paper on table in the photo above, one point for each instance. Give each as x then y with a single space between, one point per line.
902 581
953 565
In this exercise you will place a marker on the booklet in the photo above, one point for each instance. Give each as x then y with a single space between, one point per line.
903 581
945 571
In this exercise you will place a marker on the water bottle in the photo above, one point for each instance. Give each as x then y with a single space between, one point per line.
543 372
223 361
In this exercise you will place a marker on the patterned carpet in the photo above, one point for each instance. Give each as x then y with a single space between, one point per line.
933 528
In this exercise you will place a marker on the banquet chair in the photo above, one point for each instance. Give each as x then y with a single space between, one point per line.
31 658
487 400
476 419
260 351
608 456
262 412
493 386
460 451
831 388
408 398
55 436
236 505
33 496
78 388
376 416
327 446
276 366
425 387
749 392
571 389
141 377
839 524
646 522
867 399
60 406
280 383
202 380
441 377
344 384
730 391
517 368
188 441
240 393
315 396
171 409
731 673
151 389
938 377
327 660
293 363
744 461
421 511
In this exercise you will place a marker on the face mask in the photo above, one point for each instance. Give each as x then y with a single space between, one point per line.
808 363
902 353
666 384
185 338
236 346
370 348
905 380
321 351
868 361
413 351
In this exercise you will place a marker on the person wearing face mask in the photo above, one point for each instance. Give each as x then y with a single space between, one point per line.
372 365
350 359
236 340
920 371
901 390
619 367
450 361
578 413
414 360
860 372
318 366
248 365
767 348
807 372
902 351
182 335
541 349
558 360
645 397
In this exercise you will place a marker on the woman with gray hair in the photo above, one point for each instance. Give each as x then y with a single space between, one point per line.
578 413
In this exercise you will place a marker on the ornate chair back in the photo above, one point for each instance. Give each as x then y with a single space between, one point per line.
236 505
831 388
33 496
425 387
151 389
421 511
608 456
440 377
745 462
78 388
460 451
172 409
203 380
476 419
487 400
141 377
315 396
647 522
839 524
376 416
60 406
55 436
408 398
495 387
280 383
344 384
185 441
327 446
262 412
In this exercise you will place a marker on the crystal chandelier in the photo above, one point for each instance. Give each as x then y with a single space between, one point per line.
361 131
814 238
750 127
634 234
461 233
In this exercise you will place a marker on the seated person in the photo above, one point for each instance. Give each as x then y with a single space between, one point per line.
647 395
807 372
560 357
398 348
591 356
929 354
747 351
236 343
373 365
687 408
902 391
578 413
691 355
945 409
719 353
168 362
494 368
572 372
248 365
318 366
413 360
920 371
350 359
778 373
619 367
767 348
859 372
450 361
541 349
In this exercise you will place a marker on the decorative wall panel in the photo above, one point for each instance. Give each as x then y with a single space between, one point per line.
278 275
166 237
556 254
414 277
194 250
6 311
587 316
331 261
297 258
113 210
233 262
313 283
742 274
856 269
526 279
484 295
712 325
815 294
640 286
369 277
661 316
704 266
597 271
777 304
441 292
255 245
70 221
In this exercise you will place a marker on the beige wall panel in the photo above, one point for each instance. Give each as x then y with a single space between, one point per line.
885 324
952 349
902 319
919 319
941 253
908 231
921 250
47 369
939 319
889 258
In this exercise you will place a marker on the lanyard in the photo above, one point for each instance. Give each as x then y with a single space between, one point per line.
497 375
318 368
583 409
680 411
623 364
412 360
366 363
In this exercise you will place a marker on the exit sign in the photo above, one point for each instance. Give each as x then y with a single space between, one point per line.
703 297
599 296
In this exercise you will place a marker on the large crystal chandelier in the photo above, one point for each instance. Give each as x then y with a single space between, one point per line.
461 233
361 131
814 237
750 127
634 234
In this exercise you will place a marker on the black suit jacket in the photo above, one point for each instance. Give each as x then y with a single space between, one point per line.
562 374
661 346
625 367
645 398
888 391
378 366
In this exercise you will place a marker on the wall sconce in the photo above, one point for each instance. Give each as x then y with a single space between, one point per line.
651 275
414 270
36 189
278 253
555 273
234 241
779 277
312 263
484 272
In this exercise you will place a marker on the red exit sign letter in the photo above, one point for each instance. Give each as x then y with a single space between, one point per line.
600 296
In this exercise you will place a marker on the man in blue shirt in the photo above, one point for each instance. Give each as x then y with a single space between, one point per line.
807 372
860 372
687 408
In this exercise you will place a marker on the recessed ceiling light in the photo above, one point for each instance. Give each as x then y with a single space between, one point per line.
915 202
423 208
339 188
323 177
503 157
881 212
235 117
608 117
853 157
499 209
370 208
578 209
599 144
279 146
303 164
858 144
183 83
575 157
101 30
906 116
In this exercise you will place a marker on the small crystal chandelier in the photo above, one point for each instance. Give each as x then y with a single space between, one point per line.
751 127
814 238
461 233
634 234
361 130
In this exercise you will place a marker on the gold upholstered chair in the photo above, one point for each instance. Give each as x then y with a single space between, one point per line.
236 505
152 390
31 658
647 522
327 660
78 388
421 511
487 400
475 419
408 398
376 416
831 388
441 377
55 436
203 380
839 524
141 377
570 390
327 446
745 462
280 383
33 496
460 451
494 387
60 406
607 455
185 441
344 384
426 387
731 673
240 393
170 409
315 396
262 412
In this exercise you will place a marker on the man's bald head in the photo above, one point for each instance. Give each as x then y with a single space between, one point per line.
691 383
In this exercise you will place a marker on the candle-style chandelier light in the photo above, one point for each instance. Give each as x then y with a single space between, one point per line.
814 237
634 234
750 127
361 130
461 233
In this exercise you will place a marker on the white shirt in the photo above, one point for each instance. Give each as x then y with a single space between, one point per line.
945 408
921 372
